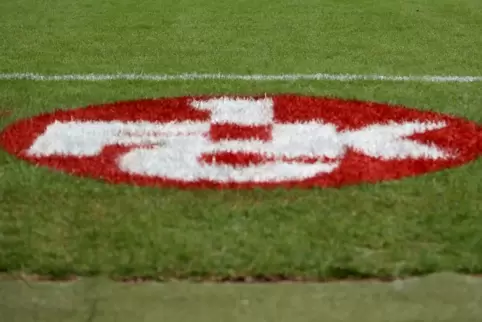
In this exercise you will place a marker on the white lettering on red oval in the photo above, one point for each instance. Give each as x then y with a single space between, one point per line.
230 141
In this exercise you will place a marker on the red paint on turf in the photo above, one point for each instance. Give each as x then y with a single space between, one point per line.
460 135
226 131
243 159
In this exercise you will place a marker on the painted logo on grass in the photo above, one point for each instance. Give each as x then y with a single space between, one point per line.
241 142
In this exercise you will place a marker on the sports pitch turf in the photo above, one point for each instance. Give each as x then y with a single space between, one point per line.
55 224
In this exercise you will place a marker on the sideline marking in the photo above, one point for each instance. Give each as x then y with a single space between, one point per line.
255 77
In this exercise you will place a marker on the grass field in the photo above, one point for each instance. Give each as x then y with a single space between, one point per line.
58 225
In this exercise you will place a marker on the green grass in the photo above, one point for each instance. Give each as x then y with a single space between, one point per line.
55 224
442 297
250 36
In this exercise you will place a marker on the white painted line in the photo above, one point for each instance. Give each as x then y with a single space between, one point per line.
234 110
255 77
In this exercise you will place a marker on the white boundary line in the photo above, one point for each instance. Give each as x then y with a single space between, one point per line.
255 77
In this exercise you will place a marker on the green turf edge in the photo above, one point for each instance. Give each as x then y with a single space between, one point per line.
439 297
36 200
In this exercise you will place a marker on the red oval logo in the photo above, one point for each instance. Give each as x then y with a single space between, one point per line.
242 142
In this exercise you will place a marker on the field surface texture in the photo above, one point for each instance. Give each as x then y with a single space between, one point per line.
58 225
